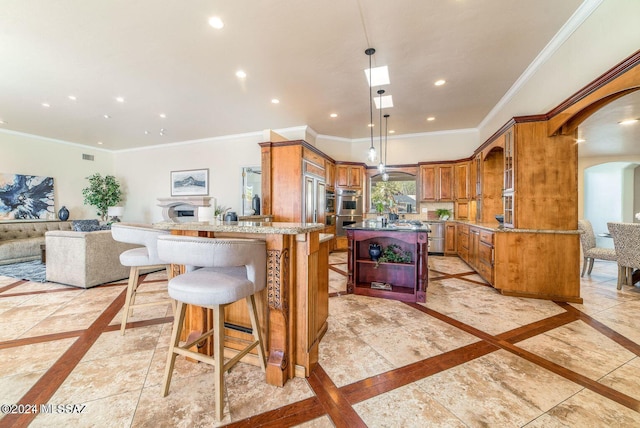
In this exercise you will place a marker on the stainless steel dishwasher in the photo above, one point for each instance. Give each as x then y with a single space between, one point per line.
436 238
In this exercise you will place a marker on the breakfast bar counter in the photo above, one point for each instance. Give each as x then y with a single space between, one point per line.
294 306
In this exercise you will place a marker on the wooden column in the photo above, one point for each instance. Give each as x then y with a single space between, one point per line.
280 275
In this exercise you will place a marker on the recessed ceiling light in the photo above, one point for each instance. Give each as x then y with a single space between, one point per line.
379 76
120 99
371 125
392 132
387 101
46 105
440 82
628 121
146 132
275 101
333 115
431 118
106 116
72 97
2 122
163 116
99 143
240 74
216 22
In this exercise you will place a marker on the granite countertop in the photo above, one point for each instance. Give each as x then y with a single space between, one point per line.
282 228
496 227
389 227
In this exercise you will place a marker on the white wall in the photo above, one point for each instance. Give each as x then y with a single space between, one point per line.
608 196
146 172
30 155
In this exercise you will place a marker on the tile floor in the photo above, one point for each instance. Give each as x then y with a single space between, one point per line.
469 357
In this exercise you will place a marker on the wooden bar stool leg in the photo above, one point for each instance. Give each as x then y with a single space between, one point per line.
131 289
257 333
175 342
218 355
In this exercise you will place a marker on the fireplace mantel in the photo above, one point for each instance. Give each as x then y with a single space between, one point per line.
171 206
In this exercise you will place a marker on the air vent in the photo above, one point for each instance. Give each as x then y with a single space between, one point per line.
87 157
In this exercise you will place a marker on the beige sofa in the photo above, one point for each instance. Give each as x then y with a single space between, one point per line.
20 240
84 259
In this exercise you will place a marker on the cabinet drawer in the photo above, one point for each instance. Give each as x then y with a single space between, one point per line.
485 253
486 236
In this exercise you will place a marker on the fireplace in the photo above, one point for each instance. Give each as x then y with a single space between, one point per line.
183 209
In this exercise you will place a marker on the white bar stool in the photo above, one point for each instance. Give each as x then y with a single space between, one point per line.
231 270
145 257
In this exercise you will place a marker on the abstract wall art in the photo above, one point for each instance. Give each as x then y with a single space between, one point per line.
25 197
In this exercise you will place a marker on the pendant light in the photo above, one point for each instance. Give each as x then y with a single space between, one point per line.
372 150
381 164
385 175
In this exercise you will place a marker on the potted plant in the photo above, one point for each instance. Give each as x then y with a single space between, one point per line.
102 193
443 213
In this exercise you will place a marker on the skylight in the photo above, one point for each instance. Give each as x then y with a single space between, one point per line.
379 76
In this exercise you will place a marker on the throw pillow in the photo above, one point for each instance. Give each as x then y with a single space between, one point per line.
87 225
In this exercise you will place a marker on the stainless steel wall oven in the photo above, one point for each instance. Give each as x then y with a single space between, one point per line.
349 209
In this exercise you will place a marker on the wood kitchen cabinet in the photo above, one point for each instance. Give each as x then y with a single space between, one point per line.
450 238
330 173
475 247
509 172
462 241
436 182
293 185
349 176
485 257
461 190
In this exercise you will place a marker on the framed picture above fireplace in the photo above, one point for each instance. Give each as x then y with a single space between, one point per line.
192 182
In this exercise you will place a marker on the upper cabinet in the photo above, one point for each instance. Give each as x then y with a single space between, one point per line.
330 173
461 189
349 176
461 180
509 174
436 183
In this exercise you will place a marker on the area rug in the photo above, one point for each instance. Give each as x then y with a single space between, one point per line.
35 271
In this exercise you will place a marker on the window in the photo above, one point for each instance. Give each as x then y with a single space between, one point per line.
398 194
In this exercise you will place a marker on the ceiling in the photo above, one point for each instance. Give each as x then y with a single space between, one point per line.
162 57
603 134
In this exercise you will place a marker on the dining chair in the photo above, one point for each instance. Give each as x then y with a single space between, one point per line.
626 240
138 259
590 251
230 270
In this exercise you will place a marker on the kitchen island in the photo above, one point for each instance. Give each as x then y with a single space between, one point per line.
401 270
294 306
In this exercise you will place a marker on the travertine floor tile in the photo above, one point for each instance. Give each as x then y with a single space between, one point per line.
100 378
588 410
408 406
499 389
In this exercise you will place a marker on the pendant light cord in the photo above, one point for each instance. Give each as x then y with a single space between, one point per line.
370 98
